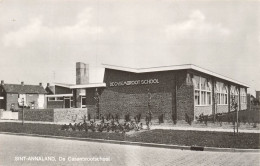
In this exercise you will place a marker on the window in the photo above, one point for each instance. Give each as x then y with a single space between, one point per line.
234 94
222 93
243 95
59 98
202 90
71 102
197 97
83 102
51 98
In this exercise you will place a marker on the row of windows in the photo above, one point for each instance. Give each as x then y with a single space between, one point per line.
222 98
55 99
203 92
202 88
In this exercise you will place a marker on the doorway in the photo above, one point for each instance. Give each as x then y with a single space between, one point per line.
67 102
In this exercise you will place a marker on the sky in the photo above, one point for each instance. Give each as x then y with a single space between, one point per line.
41 40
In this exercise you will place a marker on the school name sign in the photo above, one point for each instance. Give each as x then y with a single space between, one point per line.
135 82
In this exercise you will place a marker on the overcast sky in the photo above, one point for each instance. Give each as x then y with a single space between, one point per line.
42 40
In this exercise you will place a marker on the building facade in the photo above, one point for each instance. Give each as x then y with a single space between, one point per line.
174 91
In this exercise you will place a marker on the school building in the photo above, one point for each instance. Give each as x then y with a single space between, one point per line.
170 90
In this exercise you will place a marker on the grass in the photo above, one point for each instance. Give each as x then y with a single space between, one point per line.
175 137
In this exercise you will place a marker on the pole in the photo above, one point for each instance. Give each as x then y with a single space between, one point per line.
23 111
237 120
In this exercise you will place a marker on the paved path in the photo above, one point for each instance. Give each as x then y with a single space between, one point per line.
14 148
204 129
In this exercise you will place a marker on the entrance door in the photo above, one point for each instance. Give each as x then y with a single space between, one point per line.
67 102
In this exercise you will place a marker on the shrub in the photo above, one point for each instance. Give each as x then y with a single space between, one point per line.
127 117
160 118
205 119
84 118
117 117
139 117
89 116
187 119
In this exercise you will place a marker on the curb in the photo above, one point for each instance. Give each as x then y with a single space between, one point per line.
193 148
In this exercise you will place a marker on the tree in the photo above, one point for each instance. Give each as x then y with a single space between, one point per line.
234 106
97 98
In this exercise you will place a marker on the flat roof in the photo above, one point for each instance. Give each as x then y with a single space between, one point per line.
173 67
60 95
83 86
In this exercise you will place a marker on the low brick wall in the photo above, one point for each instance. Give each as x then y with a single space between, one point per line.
206 110
43 115
54 115
70 114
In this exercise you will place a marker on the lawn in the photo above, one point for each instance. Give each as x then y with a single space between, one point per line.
175 137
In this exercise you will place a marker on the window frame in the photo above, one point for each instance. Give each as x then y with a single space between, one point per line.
203 93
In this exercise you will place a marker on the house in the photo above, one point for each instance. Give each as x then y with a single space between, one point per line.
174 91
15 96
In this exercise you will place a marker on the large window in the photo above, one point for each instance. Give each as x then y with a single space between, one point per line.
202 91
243 95
222 93
234 94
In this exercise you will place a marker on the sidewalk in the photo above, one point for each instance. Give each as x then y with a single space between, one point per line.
164 127
202 129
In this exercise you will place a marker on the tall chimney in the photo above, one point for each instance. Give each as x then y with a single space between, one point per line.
22 83
40 84
2 82
82 73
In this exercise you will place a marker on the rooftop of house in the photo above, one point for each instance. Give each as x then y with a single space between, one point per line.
23 89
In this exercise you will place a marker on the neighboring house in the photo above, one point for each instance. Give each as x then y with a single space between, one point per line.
257 95
15 96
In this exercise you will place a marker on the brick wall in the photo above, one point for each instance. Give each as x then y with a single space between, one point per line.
185 101
90 93
243 106
222 109
122 104
62 90
11 99
44 115
70 114
54 115
206 110
133 99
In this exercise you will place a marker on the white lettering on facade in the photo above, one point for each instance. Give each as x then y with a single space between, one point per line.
135 82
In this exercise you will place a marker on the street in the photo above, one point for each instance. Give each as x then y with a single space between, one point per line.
26 150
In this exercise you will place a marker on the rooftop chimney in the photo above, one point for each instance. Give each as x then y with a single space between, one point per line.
82 73
48 84
22 83
2 82
40 84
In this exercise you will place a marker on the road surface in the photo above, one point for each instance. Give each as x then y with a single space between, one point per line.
27 150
